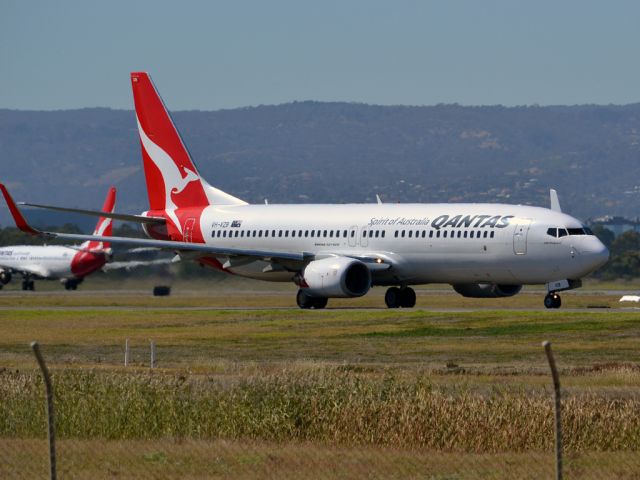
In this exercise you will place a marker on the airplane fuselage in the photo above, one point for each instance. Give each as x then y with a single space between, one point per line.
423 243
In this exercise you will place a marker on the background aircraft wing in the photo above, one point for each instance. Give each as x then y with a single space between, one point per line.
204 249
116 216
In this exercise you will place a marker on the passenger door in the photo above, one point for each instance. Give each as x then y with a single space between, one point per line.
520 237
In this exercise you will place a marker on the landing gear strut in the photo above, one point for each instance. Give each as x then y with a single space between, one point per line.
552 300
306 301
28 284
400 297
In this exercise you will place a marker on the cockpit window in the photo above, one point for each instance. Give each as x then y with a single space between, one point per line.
588 231
562 232
552 232
576 231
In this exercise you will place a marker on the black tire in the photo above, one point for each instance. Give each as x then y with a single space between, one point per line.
31 286
303 300
25 285
408 297
552 300
320 302
393 297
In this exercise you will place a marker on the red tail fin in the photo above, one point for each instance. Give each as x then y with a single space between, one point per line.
104 227
173 181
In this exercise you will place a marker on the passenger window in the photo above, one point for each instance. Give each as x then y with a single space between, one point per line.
344 234
438 234
330 233
383 233
324 234
410 233
286 233
280 233
299 233
396 234
377 233
402 233
293 233
236 234
266 233
485 234
424 233
260 233
306 233
430 233
353 233
492 234
471 234
465 234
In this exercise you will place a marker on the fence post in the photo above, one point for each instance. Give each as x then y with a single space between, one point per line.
153 353
126 352
558 423
50 414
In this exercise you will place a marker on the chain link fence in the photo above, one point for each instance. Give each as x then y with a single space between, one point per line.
317 420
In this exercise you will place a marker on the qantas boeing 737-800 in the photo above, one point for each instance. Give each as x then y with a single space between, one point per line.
65 263
328 251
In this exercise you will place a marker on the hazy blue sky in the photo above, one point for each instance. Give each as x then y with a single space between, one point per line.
210 55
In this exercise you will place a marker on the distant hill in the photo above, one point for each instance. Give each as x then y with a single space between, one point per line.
341 152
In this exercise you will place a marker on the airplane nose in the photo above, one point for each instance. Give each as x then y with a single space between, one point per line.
597 254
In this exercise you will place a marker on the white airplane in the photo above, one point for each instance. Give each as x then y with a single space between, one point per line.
329 251
68 264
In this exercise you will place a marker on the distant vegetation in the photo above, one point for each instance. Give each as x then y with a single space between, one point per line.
342 152
625 254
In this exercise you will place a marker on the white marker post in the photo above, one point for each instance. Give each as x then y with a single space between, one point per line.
153 353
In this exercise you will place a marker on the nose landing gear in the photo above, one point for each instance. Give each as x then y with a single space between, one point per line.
400 297
552 300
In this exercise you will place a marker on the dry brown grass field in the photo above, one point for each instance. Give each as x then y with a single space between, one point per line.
456 390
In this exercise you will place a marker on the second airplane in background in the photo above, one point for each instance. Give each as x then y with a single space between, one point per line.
69 264
482 250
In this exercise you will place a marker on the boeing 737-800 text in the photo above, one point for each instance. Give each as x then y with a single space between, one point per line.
482 250
67 264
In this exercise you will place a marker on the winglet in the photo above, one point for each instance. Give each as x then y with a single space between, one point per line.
555 203
21 223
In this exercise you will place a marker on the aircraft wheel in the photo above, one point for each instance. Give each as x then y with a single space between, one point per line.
552 300
408 297
306 301
31 285
393 297
320 302
25 285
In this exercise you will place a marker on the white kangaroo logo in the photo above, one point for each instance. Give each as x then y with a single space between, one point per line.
173 180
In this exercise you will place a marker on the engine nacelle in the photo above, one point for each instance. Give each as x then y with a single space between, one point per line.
486 290
336 277
5 277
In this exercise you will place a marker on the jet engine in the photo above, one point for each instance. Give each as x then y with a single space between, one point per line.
5 277
486 290
336 277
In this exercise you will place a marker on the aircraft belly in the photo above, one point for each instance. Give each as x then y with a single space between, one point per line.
256 270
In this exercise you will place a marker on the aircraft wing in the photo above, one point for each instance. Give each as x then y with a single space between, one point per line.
136 263
116 216
201 248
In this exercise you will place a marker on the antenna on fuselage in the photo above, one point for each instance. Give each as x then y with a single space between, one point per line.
266 202
555 203
378 199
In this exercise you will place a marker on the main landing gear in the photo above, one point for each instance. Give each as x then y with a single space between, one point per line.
552 300
71 285
306 301
27 284
400 297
